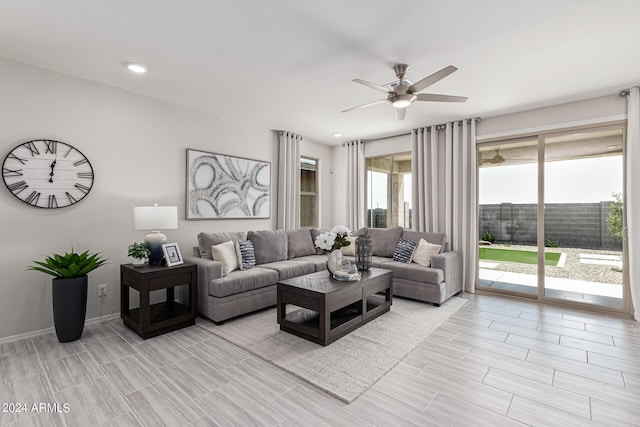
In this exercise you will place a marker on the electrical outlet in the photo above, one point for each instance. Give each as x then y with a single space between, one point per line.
102 291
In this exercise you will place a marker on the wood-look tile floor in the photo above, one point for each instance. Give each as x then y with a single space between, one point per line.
497 361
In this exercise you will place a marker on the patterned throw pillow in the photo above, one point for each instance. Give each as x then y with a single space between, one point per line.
404 251
246 254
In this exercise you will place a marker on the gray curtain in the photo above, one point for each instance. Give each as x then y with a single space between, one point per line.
355 168
289 181
632 204
444 188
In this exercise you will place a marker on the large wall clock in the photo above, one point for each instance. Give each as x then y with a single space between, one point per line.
47 174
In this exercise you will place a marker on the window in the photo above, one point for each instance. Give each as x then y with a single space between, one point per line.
389 191
308 192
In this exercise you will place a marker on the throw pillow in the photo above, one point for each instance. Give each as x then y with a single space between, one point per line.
424 252
299 243
207 240
226 254
404 251
269 245
384 240
351 249
246 254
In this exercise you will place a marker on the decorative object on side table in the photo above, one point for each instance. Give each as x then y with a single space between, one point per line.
172 254
155 218
333 240
140 252
364 249
69 290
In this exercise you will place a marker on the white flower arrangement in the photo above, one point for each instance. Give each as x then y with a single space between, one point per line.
333 239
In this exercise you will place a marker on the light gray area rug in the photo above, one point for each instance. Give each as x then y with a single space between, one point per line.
349 366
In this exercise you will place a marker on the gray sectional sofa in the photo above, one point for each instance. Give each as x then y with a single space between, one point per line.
282 254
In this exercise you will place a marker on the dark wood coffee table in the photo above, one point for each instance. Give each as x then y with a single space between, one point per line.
328 309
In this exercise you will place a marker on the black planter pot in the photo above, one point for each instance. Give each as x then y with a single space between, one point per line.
69 307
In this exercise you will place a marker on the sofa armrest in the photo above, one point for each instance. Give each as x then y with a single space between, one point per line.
208 270
451 265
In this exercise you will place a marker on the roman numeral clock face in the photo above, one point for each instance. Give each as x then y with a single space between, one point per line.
47 174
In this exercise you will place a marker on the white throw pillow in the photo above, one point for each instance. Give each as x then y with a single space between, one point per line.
351 249
424 252
238 255
226 254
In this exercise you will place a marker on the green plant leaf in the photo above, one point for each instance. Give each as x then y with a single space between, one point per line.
71 264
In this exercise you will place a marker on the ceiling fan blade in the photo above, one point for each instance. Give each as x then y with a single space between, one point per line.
433 78
372 85
440 98
365 105
400 112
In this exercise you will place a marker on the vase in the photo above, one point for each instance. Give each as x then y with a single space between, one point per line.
334 260
69 307
138 262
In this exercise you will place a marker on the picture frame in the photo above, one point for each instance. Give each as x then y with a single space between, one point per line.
220 186
172 254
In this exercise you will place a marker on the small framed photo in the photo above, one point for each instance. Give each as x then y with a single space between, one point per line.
172 254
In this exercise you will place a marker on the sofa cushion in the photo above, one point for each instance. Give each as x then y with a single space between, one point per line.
435 238
384 240
404 250
269 245
376 261
226 254
351 249
246 254
414 272
290 268
319 261
206 240
299 243
239 281
424 252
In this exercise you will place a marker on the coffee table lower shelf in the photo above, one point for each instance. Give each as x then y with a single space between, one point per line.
354 304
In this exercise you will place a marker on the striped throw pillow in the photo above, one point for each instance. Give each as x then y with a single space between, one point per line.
246 254
404 251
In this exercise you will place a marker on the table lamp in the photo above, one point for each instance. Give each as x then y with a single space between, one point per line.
155 218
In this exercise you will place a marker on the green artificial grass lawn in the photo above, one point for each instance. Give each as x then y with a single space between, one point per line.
515 255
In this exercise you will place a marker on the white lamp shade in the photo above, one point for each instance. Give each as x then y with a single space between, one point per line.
155 217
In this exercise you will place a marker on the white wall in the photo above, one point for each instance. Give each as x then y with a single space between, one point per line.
137 148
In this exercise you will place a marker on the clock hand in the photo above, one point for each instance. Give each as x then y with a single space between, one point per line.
53 165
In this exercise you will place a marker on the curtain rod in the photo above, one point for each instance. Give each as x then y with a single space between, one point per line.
440 126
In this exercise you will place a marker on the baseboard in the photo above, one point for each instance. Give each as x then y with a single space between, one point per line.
26 335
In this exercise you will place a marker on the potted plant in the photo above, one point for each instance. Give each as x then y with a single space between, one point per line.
69 287
140 252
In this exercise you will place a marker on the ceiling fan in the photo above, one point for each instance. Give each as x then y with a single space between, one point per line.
403 93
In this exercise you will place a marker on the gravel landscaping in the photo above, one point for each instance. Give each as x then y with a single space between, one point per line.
572 269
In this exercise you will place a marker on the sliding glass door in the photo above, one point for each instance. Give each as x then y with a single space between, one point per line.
551 217
583 186
508 216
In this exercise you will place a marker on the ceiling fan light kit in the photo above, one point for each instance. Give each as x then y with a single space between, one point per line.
402 93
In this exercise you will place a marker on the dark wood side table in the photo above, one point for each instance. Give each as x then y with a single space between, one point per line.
150 320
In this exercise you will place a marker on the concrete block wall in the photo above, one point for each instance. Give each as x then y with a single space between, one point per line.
579 225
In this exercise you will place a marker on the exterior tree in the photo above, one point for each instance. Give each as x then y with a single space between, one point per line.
614 219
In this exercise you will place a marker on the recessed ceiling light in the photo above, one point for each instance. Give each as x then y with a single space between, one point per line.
337 135
136 68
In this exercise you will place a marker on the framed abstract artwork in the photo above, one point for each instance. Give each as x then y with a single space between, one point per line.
226 187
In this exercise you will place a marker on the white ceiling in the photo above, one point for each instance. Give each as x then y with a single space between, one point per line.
288 64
